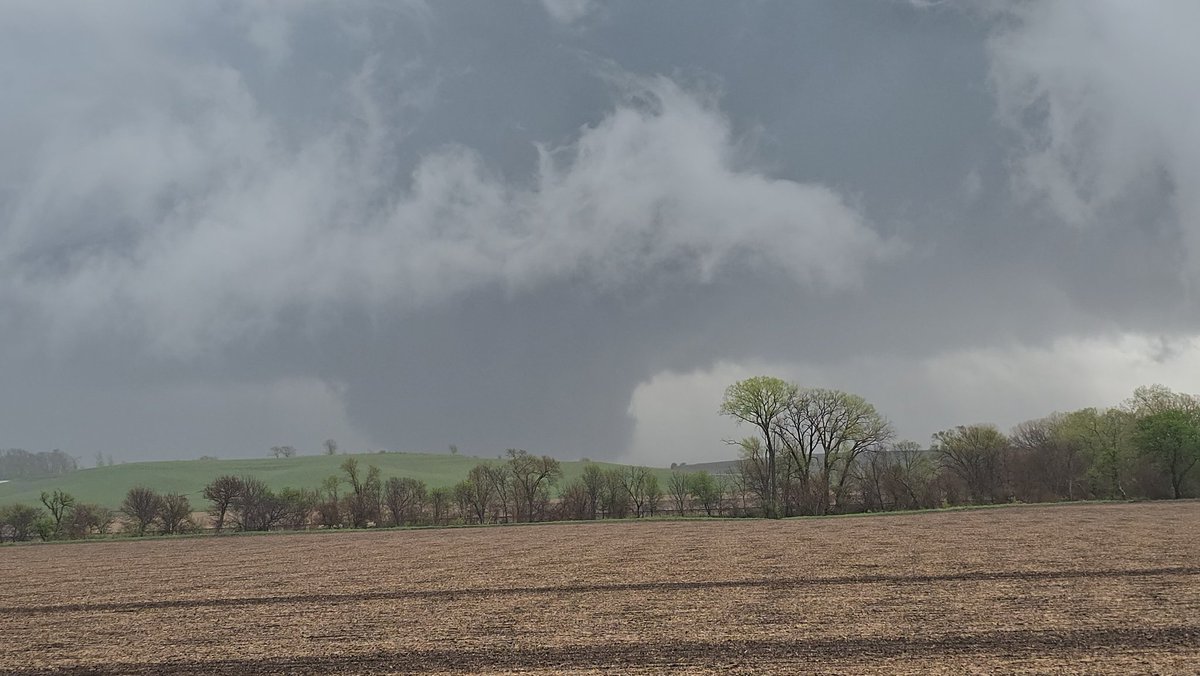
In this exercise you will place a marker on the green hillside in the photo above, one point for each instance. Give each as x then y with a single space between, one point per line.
108 485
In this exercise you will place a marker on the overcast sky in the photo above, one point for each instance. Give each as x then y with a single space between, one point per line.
567 226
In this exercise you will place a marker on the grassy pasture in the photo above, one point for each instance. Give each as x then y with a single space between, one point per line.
108 485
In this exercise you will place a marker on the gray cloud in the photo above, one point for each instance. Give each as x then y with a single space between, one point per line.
563 225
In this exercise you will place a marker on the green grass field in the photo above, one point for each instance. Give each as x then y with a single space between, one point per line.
107 485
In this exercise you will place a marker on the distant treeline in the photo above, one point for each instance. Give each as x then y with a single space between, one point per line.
817 452
16 463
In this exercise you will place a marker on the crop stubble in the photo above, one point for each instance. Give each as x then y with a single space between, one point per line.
1097 588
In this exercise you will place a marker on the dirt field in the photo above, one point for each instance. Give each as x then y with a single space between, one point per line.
1102 588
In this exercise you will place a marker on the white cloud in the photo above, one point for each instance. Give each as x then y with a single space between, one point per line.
1105 99
194 220
569 11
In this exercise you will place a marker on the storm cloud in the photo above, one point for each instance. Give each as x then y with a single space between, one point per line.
566 226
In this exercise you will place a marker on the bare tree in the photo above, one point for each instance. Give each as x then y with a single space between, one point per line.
504 492
174 514
283 451
365 499
85 520
404 499
476 494
329 505
440 499
141 507
257 508
975 454
59 504
532 478
297 506
680 489
221 492
633 480
593 484
330 446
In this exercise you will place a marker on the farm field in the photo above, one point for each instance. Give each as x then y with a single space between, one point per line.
1111 588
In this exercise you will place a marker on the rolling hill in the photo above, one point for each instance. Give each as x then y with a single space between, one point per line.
107 485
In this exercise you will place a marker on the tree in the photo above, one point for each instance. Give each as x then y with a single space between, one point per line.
86 519
283 451
141 507
532 477
404 499
221 492
440 499
330 447
573 502
174 514
835 426
1171 439
634 480
59 504
256 507
476 494
614 501
366 494
974 453
19 522
707 491
761 401
654 495
679 488
593 485
503 492
329 506
1103 437
753 472
296 507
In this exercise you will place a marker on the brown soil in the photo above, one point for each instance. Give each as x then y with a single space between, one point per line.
1097 588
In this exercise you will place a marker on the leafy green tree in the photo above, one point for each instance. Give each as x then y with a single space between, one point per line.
19 522
762 402
707 492
1103 437
836 428
1171 439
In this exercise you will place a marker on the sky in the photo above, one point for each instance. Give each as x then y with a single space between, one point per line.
566 226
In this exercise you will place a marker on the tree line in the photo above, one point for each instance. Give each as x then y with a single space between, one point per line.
819 451
815 451
17 463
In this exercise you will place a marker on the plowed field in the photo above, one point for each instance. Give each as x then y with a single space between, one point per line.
1092 588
